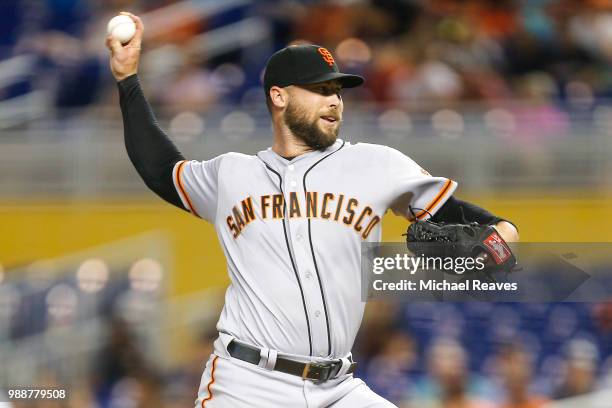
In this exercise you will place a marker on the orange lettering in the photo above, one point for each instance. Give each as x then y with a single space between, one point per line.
366 211
370 227
324 213
327 57
232 226
247 210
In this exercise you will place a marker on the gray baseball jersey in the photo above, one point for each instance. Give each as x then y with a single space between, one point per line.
291 231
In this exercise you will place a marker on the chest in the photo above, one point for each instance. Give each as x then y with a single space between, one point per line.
345 201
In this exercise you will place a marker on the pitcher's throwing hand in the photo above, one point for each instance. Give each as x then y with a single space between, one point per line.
125 58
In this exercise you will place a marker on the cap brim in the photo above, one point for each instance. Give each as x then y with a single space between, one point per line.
347 80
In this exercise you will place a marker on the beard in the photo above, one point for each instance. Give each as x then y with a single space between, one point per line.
309 131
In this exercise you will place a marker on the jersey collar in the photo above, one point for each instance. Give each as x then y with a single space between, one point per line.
277 161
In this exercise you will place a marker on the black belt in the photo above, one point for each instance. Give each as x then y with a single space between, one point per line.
312 371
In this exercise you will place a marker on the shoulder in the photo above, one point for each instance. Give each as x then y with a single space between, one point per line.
377 152
367 148
238 157
234 159
229 160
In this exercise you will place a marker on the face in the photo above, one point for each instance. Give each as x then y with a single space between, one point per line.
314 113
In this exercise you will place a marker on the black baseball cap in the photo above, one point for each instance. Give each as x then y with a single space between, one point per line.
305 64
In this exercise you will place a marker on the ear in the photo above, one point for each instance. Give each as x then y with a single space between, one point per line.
279 97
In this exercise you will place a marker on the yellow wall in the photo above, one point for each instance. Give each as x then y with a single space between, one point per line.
571 216
34 230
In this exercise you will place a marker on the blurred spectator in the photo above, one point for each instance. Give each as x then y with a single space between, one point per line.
603 317
550 54
516 369
68 16
379 323
192 87
448 384
326 23
387 373
122 369
537 118
580 369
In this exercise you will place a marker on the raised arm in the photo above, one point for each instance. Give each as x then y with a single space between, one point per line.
151 151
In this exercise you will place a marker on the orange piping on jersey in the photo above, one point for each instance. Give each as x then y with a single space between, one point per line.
183 191
436 199
212 381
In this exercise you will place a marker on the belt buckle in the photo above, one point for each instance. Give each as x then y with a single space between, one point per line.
306 371
317 372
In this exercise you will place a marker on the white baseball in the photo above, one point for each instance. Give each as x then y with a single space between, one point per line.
121 28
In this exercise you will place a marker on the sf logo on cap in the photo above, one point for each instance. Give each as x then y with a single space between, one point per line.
327 57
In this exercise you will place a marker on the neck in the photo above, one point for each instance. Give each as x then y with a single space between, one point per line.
286 144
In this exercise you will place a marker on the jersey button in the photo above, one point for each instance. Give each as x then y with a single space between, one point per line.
291 167
308 275
293 183
299 237
317 313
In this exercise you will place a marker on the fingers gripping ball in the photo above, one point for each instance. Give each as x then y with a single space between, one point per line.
121 28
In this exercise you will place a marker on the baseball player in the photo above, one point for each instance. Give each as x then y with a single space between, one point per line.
290 220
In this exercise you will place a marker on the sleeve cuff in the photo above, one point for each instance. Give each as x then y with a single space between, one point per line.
128 82
438 201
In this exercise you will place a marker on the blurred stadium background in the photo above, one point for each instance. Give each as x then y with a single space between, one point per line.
109 292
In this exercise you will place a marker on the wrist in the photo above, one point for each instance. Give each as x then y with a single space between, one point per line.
127 81
507 231
122 77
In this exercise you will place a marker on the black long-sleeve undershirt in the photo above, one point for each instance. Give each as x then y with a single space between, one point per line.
456 211
149 148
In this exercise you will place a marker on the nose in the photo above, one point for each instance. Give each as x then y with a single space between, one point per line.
334 100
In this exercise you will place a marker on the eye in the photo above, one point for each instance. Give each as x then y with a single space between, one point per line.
327 90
